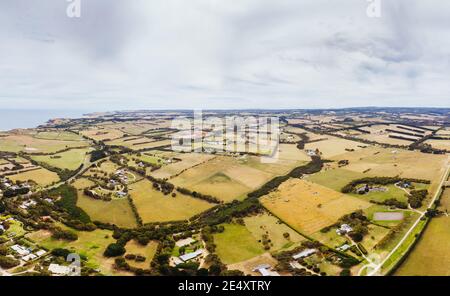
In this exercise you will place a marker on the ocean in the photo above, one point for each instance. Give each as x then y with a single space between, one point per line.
15 118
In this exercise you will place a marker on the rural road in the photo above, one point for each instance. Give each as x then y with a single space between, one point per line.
436 195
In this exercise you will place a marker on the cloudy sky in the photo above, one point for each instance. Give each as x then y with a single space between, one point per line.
161 54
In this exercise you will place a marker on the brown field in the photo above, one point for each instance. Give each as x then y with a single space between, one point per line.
154 206
41 176
309 207
333 146
439 144
102 134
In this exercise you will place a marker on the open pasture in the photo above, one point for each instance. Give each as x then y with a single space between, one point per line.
41 176
30 144
236 244
154 206
308 207
431 256
116 211
70 159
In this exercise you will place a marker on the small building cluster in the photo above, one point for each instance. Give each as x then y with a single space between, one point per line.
344 229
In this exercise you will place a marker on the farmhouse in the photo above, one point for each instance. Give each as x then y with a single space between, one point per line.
304 254
344 229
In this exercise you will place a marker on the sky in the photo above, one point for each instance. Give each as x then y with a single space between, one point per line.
223 54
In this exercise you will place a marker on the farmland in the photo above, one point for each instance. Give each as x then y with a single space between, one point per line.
30 144
70 159
242 207
40 176
309 207
236 244
153 205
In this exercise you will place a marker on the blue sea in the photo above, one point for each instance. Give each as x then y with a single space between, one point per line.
15 118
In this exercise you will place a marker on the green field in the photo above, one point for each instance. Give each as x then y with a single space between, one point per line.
154 206
379 196
116 211
70 160
236 244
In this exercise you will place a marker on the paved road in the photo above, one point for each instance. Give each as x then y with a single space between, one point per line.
436 195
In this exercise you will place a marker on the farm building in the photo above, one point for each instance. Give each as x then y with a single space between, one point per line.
304 254
190 256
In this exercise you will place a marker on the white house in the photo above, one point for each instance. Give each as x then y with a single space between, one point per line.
344 229
22 251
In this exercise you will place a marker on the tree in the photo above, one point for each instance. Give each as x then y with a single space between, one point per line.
114 250
345 272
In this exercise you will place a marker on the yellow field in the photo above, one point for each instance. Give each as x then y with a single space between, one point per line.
70 160
333 146
41 176
309 207
154 206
